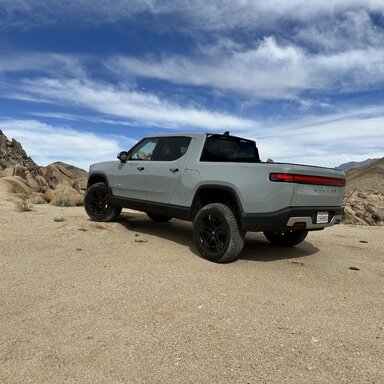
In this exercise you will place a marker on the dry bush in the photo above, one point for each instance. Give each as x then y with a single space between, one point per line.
24 205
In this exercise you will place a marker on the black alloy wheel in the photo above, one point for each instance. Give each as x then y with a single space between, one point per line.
216 233
98 204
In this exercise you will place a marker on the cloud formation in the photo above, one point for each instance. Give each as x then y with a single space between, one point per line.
122 102
215 14
326 141
268 70
47 143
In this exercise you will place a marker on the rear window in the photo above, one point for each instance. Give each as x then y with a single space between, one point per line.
229 149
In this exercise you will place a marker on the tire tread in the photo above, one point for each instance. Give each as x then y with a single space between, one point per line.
236 235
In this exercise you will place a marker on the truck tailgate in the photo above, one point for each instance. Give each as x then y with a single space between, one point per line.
321 188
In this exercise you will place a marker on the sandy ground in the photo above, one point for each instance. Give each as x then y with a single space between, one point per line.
131 302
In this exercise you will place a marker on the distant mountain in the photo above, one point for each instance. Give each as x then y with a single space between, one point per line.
369 177
354 164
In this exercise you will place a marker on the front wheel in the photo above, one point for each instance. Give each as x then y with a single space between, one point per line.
286 238
98 205
216 233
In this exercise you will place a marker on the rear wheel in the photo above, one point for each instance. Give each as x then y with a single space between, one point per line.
158 218
98 205
286 238
217 234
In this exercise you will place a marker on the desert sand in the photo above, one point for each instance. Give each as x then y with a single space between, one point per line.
132 302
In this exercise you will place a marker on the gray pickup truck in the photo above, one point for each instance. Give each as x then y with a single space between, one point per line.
220 184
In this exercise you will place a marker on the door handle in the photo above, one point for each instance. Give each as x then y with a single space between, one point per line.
140 168
173 170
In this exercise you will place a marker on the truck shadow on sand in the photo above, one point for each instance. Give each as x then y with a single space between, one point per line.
256 248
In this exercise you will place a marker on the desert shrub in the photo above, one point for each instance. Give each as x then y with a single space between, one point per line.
24 205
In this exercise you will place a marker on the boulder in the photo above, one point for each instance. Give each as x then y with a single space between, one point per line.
19 185
64 196
56 175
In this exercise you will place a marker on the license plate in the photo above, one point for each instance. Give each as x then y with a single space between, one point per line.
322 217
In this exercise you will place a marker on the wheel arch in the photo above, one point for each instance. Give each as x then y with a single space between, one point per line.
211 193
97 178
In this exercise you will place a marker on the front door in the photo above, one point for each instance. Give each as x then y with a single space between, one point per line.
129 177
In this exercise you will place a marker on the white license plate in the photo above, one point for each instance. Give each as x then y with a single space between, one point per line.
322 217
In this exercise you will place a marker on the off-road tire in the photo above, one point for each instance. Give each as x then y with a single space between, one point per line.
217 234
158 218
98 205
287 238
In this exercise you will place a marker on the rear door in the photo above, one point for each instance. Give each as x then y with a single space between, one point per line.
129 177
165 171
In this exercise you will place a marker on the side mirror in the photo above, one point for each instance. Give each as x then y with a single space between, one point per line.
123 156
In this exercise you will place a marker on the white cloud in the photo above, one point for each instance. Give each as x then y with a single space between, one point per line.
349 30
269 70
334 46
214 14
325 141
52 63
47 143
121 102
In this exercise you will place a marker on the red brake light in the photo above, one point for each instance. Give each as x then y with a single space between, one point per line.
307 179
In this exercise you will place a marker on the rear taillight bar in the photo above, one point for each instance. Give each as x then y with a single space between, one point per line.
307 179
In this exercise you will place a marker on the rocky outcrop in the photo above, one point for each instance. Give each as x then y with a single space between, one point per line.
12 153
58 183
57 175
80 176
364 208
364 200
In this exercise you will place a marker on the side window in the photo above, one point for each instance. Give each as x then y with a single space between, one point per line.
144 151
224 149
172 148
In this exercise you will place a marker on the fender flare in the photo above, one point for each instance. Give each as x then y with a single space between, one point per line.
225 188
100 177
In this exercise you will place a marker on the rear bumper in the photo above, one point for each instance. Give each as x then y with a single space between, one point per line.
286 219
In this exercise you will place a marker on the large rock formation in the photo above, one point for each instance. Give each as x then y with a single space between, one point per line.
12 153
364 201
21 177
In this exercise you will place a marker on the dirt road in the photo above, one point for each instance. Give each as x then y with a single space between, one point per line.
131 302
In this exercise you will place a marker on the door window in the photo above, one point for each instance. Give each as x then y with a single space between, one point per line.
144 151
172 148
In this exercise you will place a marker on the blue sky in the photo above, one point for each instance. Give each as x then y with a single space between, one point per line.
82 80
